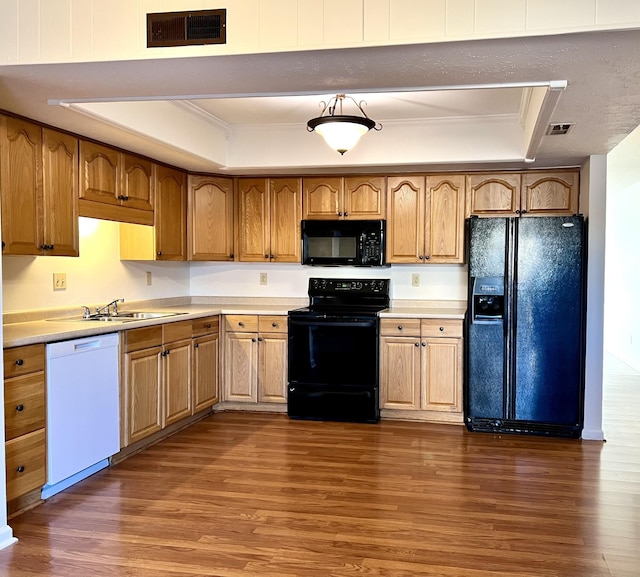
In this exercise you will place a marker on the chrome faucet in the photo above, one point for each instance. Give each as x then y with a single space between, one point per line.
106 309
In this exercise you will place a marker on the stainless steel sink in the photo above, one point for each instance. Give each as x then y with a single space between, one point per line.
121 317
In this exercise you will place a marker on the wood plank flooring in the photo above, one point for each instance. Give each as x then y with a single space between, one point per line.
243 494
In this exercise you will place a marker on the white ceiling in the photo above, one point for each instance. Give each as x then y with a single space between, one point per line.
245 96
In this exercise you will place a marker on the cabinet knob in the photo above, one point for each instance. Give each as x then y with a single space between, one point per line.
259 339
121 197
20 362
266 256
523 212
159 253
274 325
400 327
196 345
241 324
339 213
441 329
207 326
416 345
421 257
426 257
231 255
272 256
346 214
424 344
20 408
518 211
20 469
253 340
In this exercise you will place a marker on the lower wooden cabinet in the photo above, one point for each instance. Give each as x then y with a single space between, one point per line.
24 410
421 368
255 358
205 363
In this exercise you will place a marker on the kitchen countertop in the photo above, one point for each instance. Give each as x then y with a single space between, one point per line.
21 329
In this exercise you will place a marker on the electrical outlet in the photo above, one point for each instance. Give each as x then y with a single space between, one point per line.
415 280
263 278
149 279
59 281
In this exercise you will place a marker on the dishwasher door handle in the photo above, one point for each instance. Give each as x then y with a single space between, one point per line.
87 345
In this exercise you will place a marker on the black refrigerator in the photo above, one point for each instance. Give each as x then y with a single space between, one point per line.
525 325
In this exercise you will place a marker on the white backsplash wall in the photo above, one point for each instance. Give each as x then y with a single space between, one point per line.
437 282
97 276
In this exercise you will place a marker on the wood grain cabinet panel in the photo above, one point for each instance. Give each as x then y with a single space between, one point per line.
170 214
206 371
322 198
352 197
176 375
421 368
493 194
211 219
241 367
99 173
25 420
137 182
269 219
406 220
550 193
272 368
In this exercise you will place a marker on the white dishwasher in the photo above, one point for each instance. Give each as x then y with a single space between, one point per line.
83 409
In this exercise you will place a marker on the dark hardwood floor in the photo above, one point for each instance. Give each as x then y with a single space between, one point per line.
243 494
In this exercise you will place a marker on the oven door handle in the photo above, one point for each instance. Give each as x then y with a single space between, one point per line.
333 323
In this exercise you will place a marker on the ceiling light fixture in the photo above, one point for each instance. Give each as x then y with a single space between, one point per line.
341 131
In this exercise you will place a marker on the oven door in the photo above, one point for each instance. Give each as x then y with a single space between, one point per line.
333 369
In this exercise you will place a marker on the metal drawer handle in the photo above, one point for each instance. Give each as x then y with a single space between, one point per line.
20 469
399 327
20 362
20 408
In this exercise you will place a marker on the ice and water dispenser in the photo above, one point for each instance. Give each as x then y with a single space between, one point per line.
488 300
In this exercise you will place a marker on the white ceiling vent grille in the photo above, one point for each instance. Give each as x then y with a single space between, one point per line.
187 28
559 128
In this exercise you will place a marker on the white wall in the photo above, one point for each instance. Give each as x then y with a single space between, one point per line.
96 277
437 282
622 274
40 31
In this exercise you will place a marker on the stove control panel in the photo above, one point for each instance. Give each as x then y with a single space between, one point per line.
360 286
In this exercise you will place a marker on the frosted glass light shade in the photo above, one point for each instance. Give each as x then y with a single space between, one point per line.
341 132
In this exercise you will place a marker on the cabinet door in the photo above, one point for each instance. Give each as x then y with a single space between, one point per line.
143 394
210 229
253 220
176 373
272 368
365 197
444 232
60 201
400 373
493 194
405 223
25 459
550 193
442 375
21 186
241 367
170 214
99 173
322 198
285 199
206 352
137 182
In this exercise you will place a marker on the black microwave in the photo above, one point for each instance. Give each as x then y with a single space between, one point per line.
343 242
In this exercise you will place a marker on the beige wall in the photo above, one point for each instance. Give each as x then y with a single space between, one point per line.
40 31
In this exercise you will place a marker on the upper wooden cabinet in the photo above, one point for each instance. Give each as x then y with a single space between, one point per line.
535 193
39 187
167 239
269 213
549 193
352 197
210 228
114 185
171 214
425 219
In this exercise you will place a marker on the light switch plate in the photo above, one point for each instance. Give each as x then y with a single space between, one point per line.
263 278
59 281
415 279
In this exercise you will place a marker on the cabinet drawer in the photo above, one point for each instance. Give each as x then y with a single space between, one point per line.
441 328
25 457
242 323
397 327
205 326
179 331
23 360
24 405
144 338
272 324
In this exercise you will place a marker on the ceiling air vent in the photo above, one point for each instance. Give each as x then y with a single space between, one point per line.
186 28
559 128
